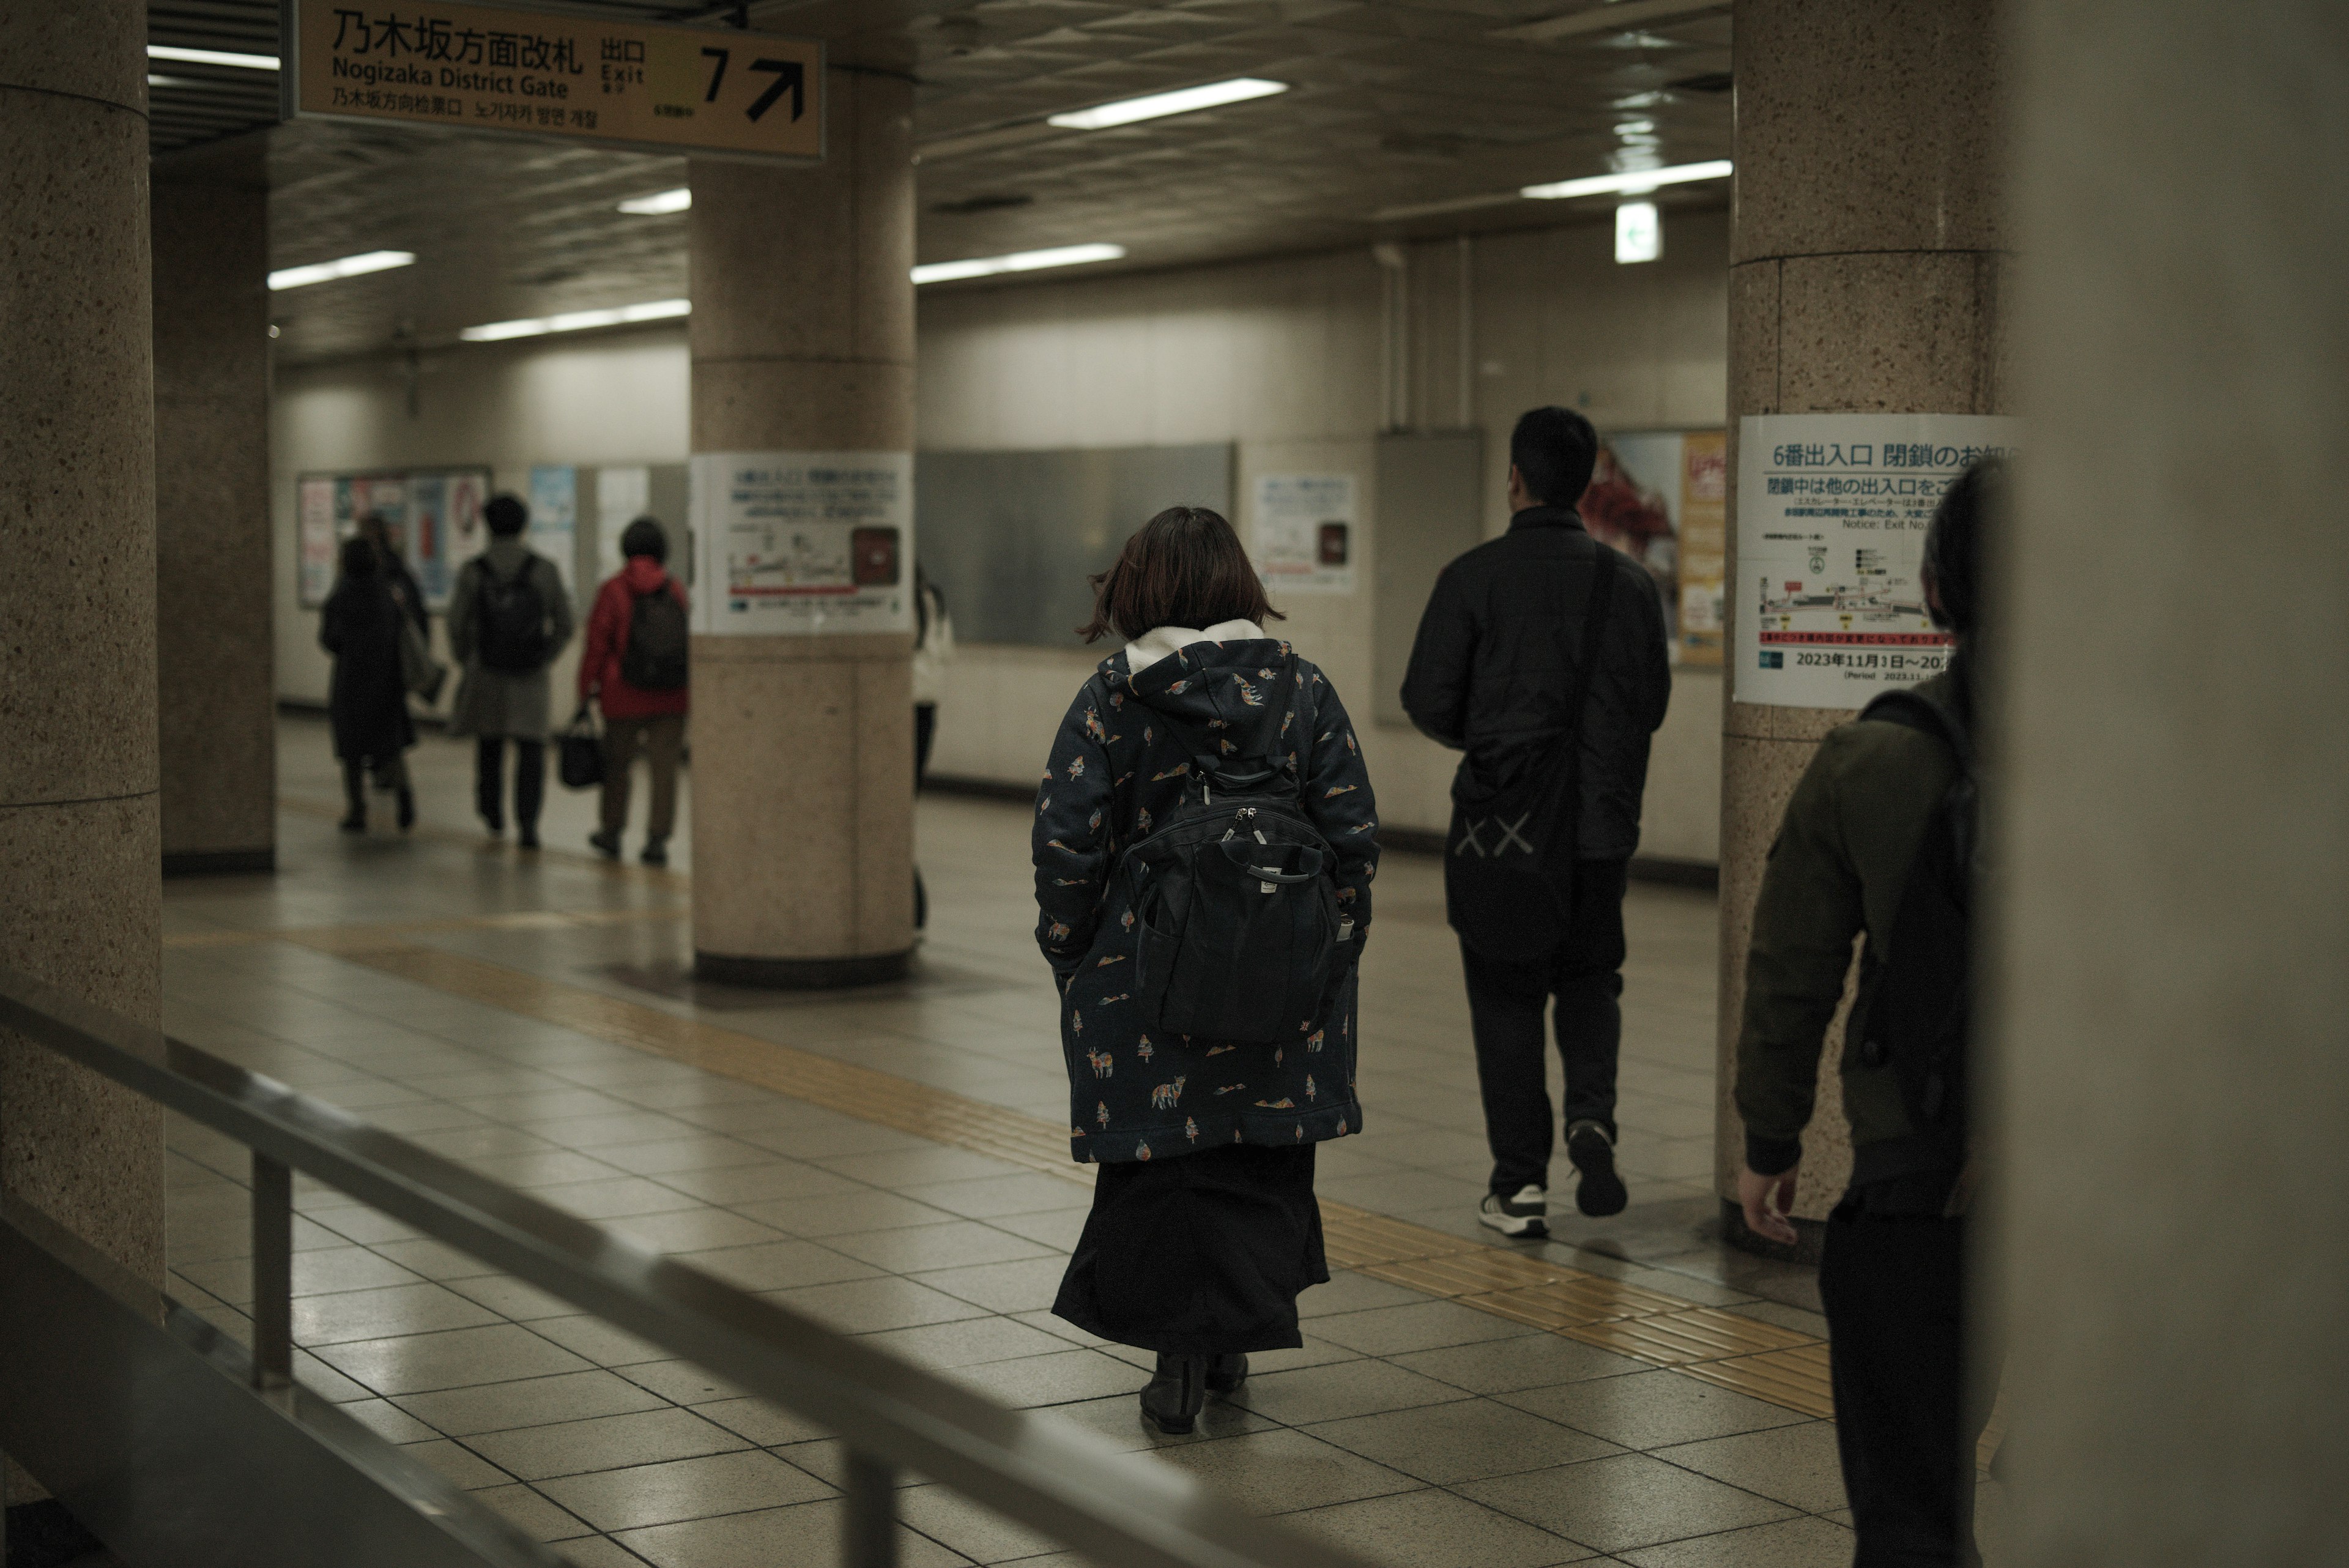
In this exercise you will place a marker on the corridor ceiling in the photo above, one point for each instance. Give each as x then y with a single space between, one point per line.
1396 105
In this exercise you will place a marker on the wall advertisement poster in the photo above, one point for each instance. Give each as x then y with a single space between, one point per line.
803 543
1303 532
1661 498
1832 511
553 530
434 516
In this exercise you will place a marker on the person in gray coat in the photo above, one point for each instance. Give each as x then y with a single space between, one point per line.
509 616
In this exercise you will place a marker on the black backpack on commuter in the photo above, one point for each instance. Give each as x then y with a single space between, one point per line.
1236 894
1914 1008
656 657
512 619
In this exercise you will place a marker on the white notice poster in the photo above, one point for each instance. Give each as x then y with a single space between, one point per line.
622 495
1831 516
553 530
1304 533
799 543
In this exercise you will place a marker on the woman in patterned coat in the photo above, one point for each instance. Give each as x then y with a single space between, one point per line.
1204 1227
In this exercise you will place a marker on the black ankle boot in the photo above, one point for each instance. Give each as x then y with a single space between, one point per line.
1226 1373
354 791
1171 1401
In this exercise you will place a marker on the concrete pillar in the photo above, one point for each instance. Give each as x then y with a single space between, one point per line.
2173 938
1867 248
79 894
216 681
802 340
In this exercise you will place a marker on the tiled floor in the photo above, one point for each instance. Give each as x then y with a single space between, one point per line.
1416 1429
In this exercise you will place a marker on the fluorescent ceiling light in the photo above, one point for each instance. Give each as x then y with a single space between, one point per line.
1631 182
1638 232
1182 101
212 57
578 320
660 201
348 266
1018 261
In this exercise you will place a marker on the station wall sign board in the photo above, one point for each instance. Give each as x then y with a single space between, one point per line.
616 83
802 542
1832 511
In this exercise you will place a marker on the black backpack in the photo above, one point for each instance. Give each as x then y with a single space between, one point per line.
655 658
1240 937
512 619
1508 867
1914 1009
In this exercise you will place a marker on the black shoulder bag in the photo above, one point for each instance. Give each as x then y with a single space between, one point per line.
1508 863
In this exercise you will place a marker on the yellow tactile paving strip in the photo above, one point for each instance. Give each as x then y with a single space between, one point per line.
1725 1348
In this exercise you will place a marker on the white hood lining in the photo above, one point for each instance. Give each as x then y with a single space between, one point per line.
1164 641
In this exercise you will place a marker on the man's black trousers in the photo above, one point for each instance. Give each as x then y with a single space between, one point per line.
1894 1289
488 785
1505 1003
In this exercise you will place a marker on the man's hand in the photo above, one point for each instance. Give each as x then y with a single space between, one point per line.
1766 1200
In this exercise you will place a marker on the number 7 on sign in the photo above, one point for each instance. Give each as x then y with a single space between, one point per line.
788 74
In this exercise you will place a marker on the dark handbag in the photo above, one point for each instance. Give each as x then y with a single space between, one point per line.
1508 863
580 752
420 672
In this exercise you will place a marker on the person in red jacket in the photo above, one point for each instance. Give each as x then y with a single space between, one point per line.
635 669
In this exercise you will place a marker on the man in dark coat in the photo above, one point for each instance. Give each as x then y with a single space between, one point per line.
1493 674
367 700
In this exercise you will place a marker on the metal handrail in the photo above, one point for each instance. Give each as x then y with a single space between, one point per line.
1036 1470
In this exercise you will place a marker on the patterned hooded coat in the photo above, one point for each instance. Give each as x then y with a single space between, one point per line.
1116 774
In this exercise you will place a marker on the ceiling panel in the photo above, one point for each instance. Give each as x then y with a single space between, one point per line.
1393 104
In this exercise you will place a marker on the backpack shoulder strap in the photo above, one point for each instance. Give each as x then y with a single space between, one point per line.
1912 709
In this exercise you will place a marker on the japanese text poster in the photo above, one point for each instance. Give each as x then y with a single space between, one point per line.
1303 533
803 543
1832 511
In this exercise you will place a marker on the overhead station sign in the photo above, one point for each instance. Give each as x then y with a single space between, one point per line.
618 83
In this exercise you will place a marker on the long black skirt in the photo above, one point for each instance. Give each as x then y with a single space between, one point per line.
1203 1254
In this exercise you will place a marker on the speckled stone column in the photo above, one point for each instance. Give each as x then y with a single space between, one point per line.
217 683
802 340
2171 940
79 895
1867 250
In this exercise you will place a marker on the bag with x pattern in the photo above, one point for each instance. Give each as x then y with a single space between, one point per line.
1508 863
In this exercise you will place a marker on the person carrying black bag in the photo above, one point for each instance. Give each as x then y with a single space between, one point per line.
1541 656
1204 843
509 616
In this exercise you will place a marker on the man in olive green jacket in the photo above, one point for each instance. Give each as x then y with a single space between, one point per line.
1891 1275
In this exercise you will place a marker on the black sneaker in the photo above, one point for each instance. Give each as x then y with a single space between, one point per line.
1600 1191
1525 1217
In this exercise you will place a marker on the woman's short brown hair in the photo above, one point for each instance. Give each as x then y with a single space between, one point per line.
1182 567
